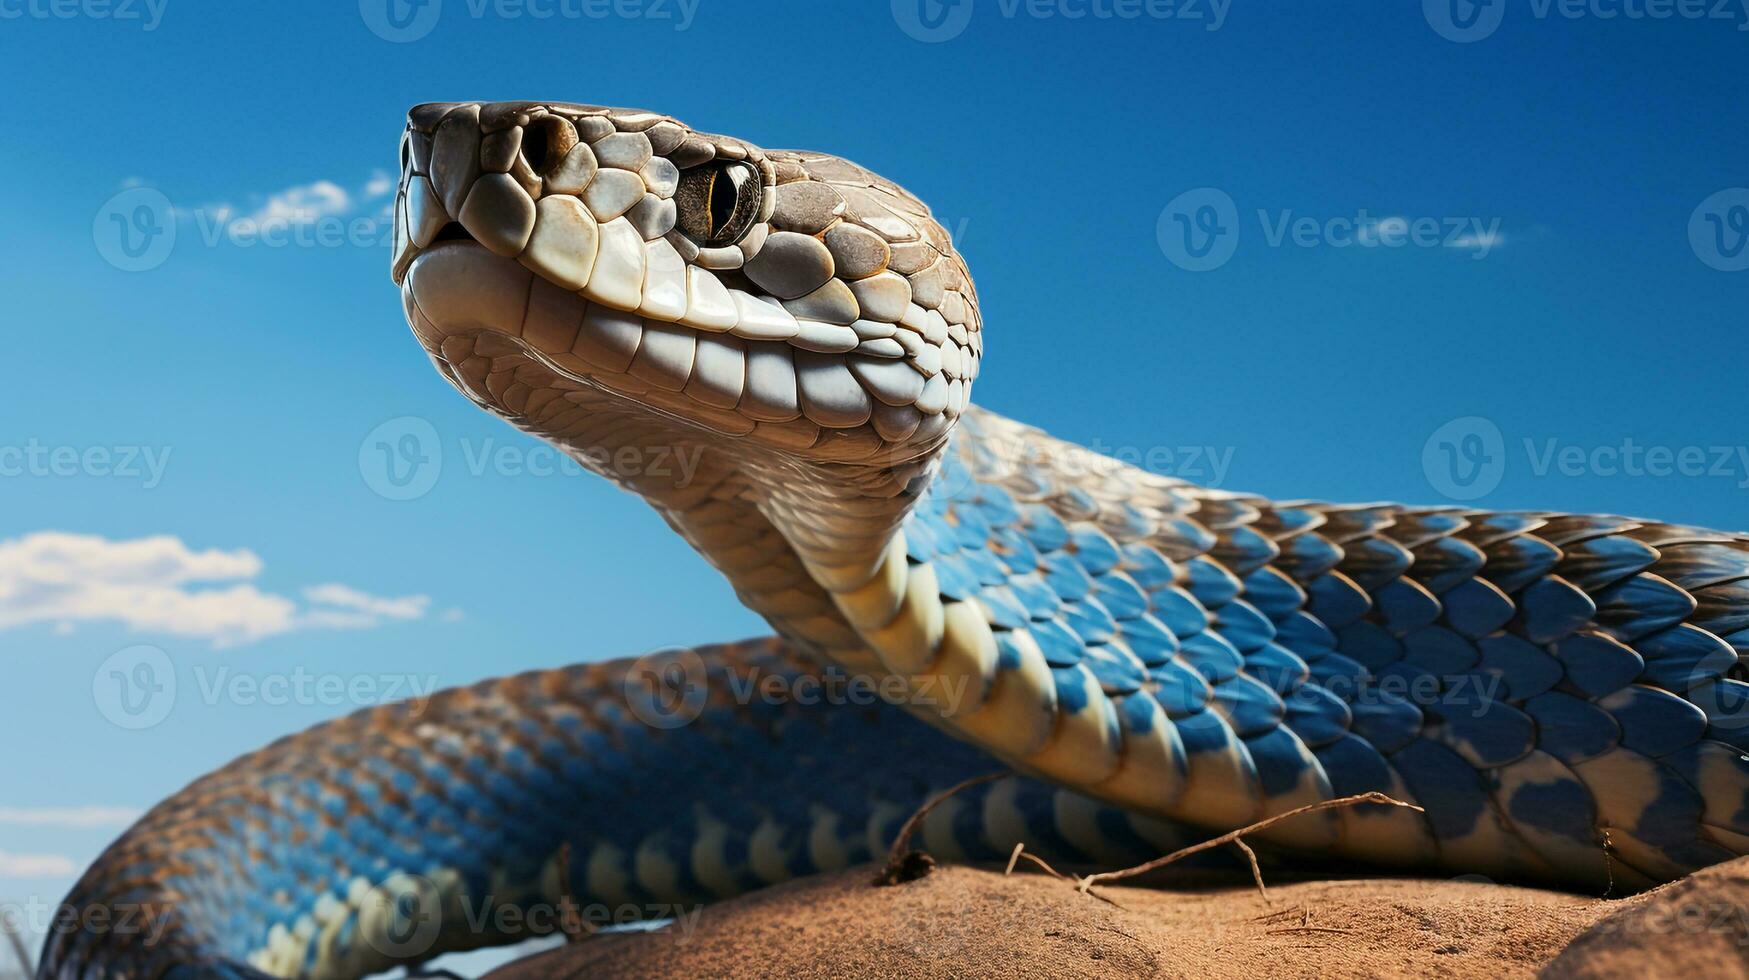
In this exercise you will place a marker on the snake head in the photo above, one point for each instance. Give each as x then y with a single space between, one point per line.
794 299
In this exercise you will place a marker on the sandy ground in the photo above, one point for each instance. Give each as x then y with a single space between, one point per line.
966 922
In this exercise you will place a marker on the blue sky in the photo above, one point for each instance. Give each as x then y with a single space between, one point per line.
1563 188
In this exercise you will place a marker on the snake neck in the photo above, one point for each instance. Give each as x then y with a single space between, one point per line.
791 532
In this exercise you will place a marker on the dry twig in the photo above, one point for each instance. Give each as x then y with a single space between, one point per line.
1020 851
1233 836
570 916
904 864
1256 872
25 966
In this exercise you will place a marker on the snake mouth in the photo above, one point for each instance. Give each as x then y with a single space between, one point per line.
470 308
453 232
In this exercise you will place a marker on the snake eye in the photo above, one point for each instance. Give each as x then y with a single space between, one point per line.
717 203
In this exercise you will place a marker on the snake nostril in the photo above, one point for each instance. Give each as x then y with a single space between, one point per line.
546 141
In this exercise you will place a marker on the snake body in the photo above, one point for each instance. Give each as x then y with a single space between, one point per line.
1155 660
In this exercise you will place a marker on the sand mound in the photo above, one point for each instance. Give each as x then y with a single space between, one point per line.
965 922
1697 927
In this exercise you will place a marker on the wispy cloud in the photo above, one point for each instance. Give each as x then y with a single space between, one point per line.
380 183
1479 240
343 606
301 205
160 585
35 865
1373 232
69 816
304 204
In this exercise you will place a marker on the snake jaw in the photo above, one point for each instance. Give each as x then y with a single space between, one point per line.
794 300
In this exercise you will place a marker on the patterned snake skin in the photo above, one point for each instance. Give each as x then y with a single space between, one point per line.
1561 693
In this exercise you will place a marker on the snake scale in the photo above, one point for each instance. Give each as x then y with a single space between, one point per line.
1154 660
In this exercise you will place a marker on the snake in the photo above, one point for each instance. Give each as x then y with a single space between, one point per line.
1143 660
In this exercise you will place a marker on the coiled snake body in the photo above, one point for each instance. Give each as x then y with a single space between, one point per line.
1159 660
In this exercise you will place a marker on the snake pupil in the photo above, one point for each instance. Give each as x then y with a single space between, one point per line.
718 202
723 194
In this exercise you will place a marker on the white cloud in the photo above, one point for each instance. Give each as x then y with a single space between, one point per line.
160 585
1479 240
35 865
380 183
301 205
346 597
343 607
305 204
75 816
1395 227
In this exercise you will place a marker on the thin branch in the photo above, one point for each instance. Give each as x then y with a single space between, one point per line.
1021 852
1256 872
1230 837
25 966
902 865
1046 868
570 914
